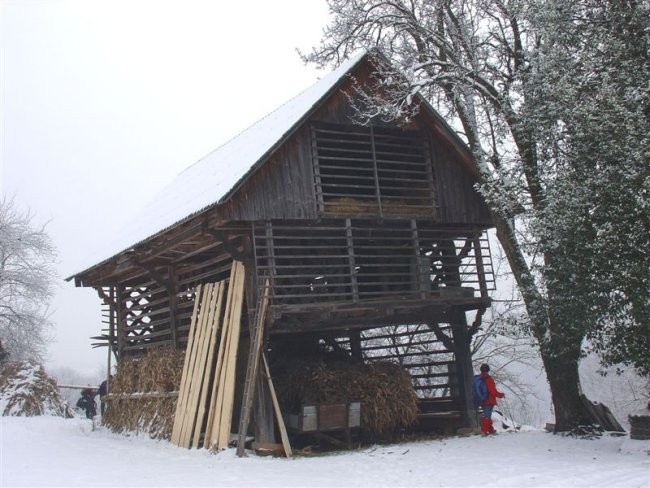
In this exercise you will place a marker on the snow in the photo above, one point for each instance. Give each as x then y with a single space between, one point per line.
52 451
211 179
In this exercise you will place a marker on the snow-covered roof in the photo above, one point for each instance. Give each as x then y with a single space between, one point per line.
213 178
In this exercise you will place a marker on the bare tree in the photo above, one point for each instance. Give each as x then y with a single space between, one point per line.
27 276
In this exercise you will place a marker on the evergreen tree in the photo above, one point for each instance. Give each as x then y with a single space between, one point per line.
594 76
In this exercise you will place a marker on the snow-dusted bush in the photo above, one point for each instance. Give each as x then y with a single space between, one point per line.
26 390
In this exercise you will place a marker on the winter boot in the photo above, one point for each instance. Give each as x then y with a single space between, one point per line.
491 427
486 425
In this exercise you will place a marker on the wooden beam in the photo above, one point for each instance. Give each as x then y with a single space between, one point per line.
236 254
276 407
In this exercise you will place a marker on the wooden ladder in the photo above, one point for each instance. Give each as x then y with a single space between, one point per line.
257 337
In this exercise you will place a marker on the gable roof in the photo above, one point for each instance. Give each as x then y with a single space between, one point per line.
212 179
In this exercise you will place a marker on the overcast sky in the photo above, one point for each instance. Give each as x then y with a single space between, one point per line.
104 102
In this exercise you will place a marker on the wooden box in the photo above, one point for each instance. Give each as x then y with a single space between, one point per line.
326 417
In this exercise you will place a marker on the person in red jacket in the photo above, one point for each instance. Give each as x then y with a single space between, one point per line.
490 402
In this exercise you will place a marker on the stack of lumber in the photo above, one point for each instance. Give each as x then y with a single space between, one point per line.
205 401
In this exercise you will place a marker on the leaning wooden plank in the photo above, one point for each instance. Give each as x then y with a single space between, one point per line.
229 384
187 401
199 367
180 403
192 402
221 387
276 406
213 409
215 313
220 378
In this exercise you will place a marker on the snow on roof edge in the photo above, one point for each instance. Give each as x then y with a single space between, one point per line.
321 89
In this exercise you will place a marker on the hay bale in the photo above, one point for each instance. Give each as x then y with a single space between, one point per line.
26 391
153 416
389 401
129 409
390 207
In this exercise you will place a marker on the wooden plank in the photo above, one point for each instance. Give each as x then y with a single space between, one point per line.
220 415
215 407
276 407
199 368
213 410
189 383
142 395
184 386
190 410
197 372
213 325
231 360
200 380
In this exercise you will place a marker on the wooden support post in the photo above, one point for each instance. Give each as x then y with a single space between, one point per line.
173 304
463 366
355 344
121 320
480 269
112 323
352 266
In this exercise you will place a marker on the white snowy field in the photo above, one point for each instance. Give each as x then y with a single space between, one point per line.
52 451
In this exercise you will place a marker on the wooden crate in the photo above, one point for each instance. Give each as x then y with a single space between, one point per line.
325 417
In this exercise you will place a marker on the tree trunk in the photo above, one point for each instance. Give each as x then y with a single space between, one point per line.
559 347
564 381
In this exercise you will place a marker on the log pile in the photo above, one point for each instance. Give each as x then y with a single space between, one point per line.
640 425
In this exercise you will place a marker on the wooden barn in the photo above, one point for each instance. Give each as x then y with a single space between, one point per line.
367 241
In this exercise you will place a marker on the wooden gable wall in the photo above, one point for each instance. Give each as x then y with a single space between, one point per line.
283 187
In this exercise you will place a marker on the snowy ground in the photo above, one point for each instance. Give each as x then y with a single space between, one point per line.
52 451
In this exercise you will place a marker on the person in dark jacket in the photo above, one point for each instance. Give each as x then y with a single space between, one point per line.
490 401
103 391
87 402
